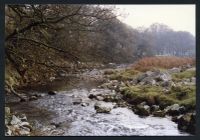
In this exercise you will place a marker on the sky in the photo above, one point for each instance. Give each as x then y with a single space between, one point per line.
177 17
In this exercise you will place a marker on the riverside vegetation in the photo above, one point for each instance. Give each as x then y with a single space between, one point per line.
159 91
48 47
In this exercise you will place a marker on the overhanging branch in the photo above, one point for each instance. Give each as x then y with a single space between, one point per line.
45 45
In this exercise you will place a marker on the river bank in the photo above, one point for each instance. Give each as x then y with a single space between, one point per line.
73 111
158 92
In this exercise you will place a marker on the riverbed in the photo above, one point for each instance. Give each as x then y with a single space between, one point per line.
71 113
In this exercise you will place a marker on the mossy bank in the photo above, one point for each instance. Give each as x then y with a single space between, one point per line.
158 92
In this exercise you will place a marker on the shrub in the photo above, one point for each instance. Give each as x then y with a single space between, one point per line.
166 62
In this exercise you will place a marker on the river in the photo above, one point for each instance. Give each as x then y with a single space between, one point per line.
71 113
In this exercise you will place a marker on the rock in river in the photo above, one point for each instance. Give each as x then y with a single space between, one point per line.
154 108
143 110
15 120
77 101
103 107
52 92
32 98
92 96
187 122
175 109
18 127
159 113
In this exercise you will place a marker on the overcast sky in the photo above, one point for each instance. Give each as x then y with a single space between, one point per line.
177 17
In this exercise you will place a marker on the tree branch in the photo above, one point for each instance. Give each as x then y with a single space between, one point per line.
45 45
23 29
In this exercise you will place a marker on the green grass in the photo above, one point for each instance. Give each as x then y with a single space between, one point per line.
155 95
183 75
186 95
189 103
124 75
140 93
183 95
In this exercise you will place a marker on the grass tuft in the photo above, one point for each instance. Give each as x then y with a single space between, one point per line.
127 74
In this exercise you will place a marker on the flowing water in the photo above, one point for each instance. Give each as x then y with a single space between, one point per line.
71 113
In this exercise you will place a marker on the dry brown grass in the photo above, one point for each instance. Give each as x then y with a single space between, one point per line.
166 62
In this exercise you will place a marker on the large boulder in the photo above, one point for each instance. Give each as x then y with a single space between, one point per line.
163 76
18 126
187 122
175 110
142 110
141 77
103 107
148 81
174 70
92 96
152 77
15 120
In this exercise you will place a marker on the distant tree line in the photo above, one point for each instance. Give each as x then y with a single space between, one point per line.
169 42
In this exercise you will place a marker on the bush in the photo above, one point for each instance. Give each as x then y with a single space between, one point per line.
166 62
